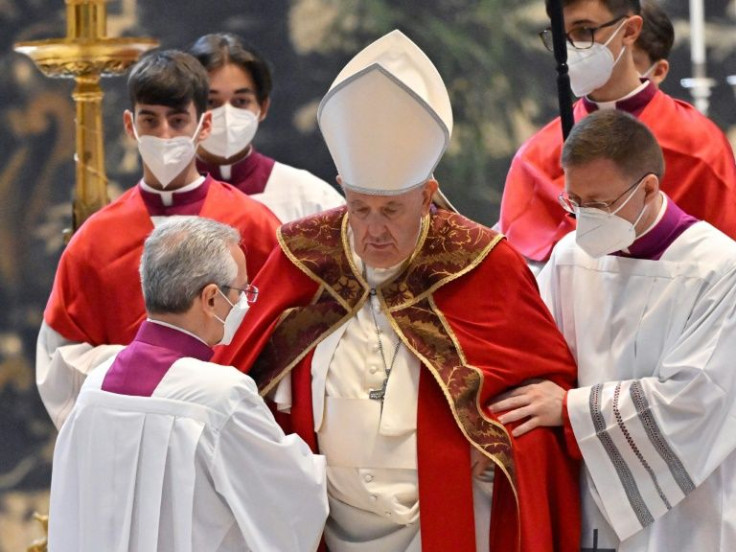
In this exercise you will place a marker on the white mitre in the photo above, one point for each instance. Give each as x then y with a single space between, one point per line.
387 118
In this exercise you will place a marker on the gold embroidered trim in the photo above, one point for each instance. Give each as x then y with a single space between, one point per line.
447 249
274 381
301 266
430 291
481 376
447 364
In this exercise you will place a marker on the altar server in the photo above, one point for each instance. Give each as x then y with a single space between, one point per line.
167 451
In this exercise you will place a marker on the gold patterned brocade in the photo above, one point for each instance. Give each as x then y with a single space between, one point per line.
449 247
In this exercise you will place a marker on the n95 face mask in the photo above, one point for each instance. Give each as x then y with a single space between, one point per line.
234 318
166 158
233 129
591 68
600 233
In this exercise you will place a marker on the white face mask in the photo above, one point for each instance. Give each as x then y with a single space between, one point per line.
166 158
233 130
233 319
591 68
600 233
648 73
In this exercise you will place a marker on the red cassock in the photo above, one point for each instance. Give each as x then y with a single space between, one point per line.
468 308
97 295
700 176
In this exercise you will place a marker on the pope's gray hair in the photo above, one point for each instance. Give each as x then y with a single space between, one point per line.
182 256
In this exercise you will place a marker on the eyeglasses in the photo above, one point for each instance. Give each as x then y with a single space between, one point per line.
581 38
250 292
571 206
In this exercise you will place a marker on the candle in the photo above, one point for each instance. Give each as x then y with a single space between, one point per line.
697 32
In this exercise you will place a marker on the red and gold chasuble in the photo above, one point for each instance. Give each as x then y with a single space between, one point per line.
97 295
468 308
700 176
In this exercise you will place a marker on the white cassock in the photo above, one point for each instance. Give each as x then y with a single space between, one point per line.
61 368
371 453
199 466
293 193
655 342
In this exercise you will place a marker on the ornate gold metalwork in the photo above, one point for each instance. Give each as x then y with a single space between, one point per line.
40 545
86 54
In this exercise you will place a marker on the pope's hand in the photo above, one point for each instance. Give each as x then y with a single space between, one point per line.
539 403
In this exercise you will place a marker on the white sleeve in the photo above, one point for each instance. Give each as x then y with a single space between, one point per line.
546 282
281 395
272 482
61 368
649 442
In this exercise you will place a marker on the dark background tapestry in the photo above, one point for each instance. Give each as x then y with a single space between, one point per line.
501 82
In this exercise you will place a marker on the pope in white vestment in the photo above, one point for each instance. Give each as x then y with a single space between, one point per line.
651 321
380 337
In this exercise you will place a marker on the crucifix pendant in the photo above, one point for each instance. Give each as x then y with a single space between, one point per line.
378 394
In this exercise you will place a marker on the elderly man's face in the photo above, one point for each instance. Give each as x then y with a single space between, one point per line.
386 228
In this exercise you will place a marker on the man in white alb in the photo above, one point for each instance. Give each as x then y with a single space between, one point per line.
167 451
645 296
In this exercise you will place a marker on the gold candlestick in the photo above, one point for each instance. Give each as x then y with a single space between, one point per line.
86 54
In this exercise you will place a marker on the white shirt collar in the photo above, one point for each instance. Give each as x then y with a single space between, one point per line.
612 104
167 197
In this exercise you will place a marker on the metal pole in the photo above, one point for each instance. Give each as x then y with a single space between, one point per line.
559 42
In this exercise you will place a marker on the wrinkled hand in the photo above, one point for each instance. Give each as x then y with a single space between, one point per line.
540 403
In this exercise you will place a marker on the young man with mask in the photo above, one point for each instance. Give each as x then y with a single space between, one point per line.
645 295
165 450
93 300
654 44
701 172
387 326
240 97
